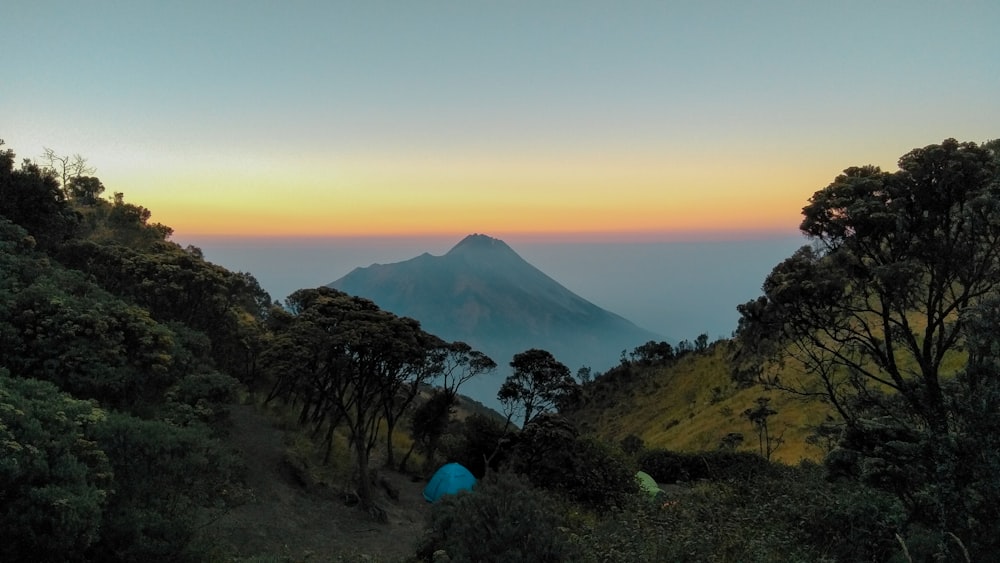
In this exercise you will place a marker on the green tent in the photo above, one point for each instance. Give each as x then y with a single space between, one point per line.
647 484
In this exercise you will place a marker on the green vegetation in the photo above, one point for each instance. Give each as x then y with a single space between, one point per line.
111 396
853 416
692 404
539 384
904 265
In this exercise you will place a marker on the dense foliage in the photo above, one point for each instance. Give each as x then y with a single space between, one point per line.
55 479
110 389
539 383
553 456
504 519
899 284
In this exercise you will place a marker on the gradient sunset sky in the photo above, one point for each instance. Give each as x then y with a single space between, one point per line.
612 119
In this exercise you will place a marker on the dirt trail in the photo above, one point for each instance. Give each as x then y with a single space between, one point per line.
285 519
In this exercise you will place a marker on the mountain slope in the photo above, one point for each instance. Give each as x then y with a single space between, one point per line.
692 403
482 292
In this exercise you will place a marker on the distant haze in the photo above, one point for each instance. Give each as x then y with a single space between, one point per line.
677 289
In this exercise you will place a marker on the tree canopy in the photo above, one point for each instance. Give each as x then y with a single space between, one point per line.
539 383
115 347
348 361
876 311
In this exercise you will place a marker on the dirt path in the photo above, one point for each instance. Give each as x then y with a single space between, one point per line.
287 520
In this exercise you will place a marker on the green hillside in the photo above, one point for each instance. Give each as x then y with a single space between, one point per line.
692 403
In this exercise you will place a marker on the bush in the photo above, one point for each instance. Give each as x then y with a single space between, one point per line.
671 467
551 454
54 480
478 439
503 519
786 514
204 396
163 477
665 466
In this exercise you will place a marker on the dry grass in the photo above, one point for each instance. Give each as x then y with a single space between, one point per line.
693 404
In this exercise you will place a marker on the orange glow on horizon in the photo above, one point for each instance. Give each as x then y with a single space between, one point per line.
619 197
548 221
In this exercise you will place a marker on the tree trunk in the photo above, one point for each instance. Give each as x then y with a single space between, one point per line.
364 480
406 458
390 458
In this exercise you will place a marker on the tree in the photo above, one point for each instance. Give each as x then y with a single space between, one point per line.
653 353
57 325
539 383
85 189
874 305
131 223
553 455
347 361
452 364
65 168
178 286
874 309
701 343
427 423
632 444
458 363
414 366
758 416
30 197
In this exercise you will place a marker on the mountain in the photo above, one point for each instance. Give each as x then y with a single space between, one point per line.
483 293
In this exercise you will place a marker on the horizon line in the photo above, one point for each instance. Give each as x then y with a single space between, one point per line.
591 237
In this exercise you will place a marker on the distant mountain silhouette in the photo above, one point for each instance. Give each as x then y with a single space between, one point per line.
485 294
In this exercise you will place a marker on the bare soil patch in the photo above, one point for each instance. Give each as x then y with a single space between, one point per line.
289 519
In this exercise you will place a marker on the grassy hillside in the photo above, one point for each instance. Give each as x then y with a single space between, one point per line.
691 404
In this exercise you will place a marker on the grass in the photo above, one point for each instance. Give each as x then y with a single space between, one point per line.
691 405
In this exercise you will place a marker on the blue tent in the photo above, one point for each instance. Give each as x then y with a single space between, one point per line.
448 480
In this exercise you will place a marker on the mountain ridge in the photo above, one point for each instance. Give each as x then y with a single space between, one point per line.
482 292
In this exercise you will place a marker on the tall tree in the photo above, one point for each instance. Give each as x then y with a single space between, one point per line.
453 363
64 167
873 310
539 383
459 363
353 359
758 416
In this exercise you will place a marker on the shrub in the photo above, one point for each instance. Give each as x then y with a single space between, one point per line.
665 466
204 396
671 467
551 454
163 476
503 519
724 465
479 439
785 514
632 444
54 480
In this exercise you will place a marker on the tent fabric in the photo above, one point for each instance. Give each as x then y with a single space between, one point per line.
449 479
647 484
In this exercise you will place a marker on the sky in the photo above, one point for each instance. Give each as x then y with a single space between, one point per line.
653 156
608 120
